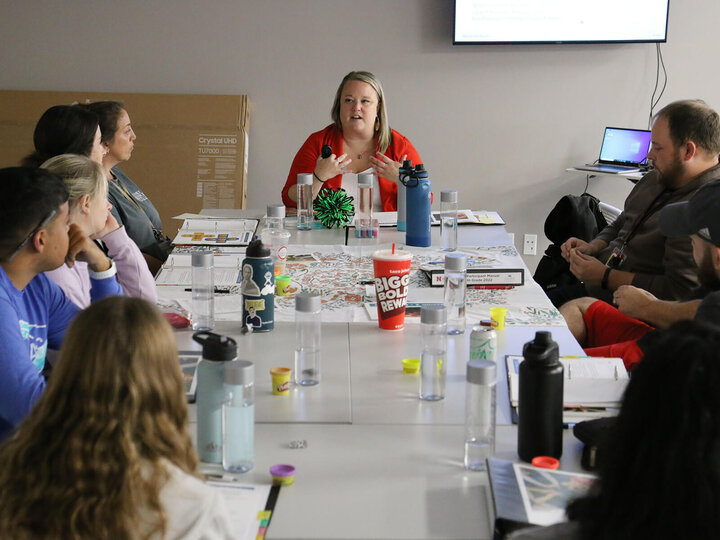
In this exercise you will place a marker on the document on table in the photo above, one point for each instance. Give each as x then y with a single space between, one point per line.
243 503
216 232
177 270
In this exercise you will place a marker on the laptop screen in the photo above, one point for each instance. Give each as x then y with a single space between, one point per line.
622 146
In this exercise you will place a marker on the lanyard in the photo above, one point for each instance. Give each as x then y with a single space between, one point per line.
654 206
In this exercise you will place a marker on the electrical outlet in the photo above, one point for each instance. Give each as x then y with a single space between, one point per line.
530 246
512 238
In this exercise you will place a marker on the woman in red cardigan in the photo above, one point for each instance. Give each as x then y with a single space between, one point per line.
361 139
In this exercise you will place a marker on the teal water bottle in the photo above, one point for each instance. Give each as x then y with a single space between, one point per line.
217 352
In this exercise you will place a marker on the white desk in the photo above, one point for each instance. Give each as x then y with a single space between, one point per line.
328 402
381 481
632 176
379 463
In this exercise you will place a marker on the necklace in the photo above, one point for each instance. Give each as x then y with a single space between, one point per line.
360 155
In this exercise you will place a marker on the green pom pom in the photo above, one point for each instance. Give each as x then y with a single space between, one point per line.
333 207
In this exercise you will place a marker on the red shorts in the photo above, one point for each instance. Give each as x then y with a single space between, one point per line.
612 334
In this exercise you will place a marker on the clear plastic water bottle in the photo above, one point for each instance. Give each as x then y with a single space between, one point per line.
433 362
238 417
540 403
304 202
307 338
480 413
448 219
203 291
274 221
455 291
275 216
363 211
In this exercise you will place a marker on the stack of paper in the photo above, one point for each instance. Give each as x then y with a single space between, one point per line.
592 387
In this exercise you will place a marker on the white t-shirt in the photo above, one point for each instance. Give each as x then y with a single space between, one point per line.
195 511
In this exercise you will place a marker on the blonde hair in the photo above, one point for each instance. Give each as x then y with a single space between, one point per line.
81 175
383 134
87 461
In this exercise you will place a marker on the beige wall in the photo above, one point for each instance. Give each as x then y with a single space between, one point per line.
498 123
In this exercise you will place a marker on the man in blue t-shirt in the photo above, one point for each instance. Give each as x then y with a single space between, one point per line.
34 312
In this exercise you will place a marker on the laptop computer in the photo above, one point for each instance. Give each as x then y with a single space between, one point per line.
622 150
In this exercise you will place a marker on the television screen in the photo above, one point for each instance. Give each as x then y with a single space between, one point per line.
560 21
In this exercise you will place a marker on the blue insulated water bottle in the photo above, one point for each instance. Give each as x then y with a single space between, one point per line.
258 287
217 352
418 208
403 174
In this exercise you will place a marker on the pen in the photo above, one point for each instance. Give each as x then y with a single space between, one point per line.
216 291
491 287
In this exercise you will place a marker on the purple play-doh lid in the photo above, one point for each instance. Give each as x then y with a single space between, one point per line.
283 473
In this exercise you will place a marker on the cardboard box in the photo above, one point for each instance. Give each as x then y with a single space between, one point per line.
191 150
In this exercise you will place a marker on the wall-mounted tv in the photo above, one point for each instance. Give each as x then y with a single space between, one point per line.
561 21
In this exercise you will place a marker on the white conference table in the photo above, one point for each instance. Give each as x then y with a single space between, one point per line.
379 462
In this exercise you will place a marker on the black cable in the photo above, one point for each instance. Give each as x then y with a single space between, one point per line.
653 101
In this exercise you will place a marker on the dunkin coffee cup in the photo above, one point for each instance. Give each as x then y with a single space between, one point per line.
392 275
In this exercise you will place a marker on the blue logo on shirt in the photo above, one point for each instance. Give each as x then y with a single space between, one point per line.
38 343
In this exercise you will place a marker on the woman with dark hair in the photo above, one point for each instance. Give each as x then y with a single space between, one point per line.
130 206
105 452
66 129
661 475
361 139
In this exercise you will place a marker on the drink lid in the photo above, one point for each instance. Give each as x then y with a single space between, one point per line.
388 255
365 180
305 179
433 314
240 372
481 372
276 210
202 258
542 350
216 347
545 462
308 302
257 249
455 261
448 195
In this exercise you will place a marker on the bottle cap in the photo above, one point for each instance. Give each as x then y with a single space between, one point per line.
481 372
365 180
433 314
216 347
202 258
542 350
308 302
240 372
455 261
276 210
305 179
448 195
257 249
545 462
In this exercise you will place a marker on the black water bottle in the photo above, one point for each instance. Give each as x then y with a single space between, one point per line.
540 406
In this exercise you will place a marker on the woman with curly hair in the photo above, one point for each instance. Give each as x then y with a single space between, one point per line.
105 452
